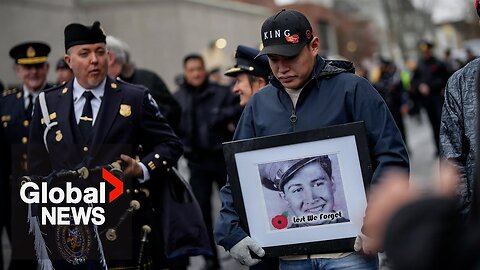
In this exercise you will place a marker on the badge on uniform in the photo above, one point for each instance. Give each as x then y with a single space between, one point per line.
125 110
58 136
74 243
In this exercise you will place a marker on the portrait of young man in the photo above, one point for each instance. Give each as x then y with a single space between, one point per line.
304 192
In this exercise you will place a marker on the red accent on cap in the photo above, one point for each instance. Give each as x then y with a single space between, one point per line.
292 38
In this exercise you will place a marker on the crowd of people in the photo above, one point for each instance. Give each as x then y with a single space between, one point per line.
104 112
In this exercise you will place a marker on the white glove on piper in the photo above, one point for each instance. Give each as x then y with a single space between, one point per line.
241 251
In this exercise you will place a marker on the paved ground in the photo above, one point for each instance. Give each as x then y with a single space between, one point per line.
423 168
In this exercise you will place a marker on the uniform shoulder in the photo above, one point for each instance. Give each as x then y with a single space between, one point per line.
10 92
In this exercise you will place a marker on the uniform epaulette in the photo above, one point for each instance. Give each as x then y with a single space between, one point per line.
9 92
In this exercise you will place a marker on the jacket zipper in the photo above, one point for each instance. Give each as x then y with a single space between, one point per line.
293 116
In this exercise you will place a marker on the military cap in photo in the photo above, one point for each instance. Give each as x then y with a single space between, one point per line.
30 53
286 33
247 63
79 34
275 175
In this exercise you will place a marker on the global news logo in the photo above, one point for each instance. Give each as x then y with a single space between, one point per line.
90 198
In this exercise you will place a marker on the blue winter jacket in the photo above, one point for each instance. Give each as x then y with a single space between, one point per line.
333 96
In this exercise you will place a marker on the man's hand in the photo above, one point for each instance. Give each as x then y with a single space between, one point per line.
424 89
130 166
241 251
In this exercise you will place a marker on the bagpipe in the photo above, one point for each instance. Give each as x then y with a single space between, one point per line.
149 225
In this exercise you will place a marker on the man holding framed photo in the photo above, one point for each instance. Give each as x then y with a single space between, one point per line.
307 93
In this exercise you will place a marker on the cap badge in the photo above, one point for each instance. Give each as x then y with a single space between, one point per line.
292 39
31 52
125 110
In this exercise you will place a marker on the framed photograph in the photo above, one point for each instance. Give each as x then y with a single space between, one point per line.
301 193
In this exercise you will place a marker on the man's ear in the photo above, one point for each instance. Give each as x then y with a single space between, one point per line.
314 45
261 82
67 60
282 195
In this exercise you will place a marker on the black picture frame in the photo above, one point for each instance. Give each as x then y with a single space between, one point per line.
347 143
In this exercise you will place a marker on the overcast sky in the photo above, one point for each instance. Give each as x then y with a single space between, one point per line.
443 10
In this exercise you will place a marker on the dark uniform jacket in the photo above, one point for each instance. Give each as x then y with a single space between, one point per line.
128 117
333 96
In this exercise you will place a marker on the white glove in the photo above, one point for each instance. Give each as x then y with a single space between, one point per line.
364 243
358 243
241 251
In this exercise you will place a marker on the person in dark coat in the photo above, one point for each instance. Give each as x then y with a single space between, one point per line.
209 114
96 120
391 89
16 105
428 83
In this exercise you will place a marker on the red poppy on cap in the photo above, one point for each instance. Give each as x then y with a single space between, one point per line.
292 38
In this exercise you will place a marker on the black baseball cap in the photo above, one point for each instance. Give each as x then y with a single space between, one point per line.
285 33
247 62
30 53
78 34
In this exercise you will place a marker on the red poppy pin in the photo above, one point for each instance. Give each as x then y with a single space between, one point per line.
280 221
292 39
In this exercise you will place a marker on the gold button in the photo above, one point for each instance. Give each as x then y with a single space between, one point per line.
85 149
24 140
65 90
113 85
26 123
157 156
